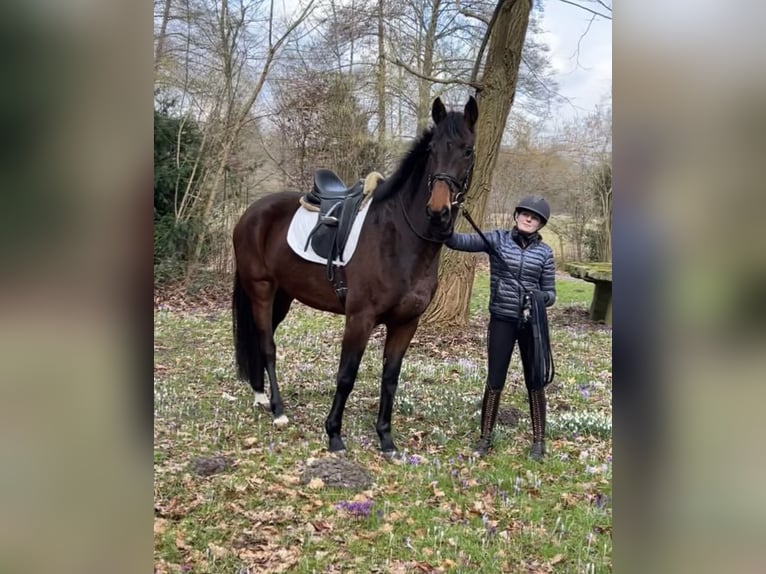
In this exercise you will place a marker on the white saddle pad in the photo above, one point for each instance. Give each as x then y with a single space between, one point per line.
304 221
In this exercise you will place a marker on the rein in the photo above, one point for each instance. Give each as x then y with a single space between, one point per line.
534 312
412 228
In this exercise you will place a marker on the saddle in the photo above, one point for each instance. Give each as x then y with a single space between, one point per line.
337 206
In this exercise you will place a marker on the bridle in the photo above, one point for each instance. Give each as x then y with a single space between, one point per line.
458 190
453 183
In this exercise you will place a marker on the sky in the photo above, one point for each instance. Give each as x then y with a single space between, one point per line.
585 75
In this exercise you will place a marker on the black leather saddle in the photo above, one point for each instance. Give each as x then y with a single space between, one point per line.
338 206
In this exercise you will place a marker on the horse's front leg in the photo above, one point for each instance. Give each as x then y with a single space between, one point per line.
398 338
355 336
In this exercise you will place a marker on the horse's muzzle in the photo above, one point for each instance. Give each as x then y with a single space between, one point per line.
441 217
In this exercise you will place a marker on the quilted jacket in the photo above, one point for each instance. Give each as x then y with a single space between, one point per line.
532 266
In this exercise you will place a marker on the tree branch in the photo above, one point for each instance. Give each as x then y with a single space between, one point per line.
604 5
580 39
480 55
542 83
454 81
588 9
475 15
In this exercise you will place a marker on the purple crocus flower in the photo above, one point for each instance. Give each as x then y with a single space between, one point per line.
361 508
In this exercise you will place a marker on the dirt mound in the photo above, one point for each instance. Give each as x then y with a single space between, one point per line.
337 472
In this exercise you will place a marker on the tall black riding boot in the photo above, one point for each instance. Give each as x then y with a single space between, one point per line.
537 411
489 408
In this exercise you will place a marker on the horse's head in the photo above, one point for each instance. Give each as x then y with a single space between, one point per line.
451 158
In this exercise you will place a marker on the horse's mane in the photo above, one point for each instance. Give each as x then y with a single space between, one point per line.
414 161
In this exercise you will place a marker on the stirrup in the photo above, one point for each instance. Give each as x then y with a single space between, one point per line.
329 220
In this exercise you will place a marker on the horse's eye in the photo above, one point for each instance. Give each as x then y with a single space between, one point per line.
469 151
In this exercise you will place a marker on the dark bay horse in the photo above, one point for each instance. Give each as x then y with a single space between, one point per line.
390 280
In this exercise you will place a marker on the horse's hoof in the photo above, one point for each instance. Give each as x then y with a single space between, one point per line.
261 400
387 445
336 445
281 421
389 455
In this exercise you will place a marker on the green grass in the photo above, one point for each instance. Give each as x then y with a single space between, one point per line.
573 292
436 509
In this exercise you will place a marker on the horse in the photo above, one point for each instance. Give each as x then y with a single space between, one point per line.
390 281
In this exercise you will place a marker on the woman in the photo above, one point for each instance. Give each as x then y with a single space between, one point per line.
521 269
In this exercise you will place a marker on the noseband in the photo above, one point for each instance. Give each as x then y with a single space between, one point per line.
454 183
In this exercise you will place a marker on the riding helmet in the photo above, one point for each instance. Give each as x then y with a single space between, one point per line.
535 204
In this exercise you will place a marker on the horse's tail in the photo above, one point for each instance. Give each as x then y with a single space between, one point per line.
245 332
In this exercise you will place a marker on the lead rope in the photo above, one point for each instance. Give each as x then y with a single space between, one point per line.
543 369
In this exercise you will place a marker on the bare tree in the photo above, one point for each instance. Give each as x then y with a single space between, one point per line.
238 109
601 186
381 76
585 143
497 88
160 40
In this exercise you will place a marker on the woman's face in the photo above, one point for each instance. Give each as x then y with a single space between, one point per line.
528 222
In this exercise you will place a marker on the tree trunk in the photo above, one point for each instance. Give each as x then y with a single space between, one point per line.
498 87
160 48
424 85
381 87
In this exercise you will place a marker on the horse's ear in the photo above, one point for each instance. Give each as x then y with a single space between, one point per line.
471 113
438 111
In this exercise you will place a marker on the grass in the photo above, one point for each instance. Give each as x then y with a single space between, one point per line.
435 509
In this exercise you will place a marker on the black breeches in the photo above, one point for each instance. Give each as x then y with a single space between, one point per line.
501 338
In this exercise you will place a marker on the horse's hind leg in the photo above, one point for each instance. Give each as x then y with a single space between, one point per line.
282 302
280 308
398 339
250 366
263 313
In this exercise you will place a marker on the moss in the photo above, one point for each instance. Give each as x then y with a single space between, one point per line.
590 271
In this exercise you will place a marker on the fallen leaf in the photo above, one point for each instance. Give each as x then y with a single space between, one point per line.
321 525
218 551
436 492
180 542
160 525
316 484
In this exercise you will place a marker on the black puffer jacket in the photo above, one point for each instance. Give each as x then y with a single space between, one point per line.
532 266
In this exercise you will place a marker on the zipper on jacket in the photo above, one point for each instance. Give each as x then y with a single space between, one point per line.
521 285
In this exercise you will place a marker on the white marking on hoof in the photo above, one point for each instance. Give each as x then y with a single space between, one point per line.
281 421
261 400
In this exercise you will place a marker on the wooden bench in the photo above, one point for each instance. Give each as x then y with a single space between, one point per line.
599 274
